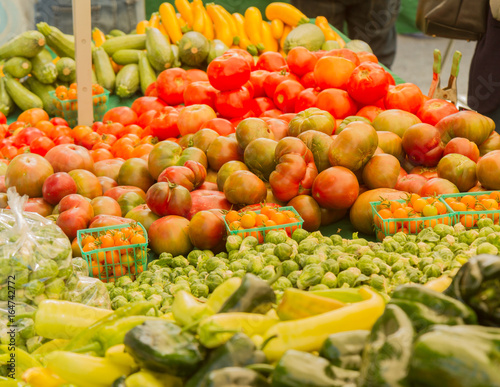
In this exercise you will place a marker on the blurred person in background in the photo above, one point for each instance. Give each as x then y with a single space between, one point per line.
106 14
484 75
16 16
373 21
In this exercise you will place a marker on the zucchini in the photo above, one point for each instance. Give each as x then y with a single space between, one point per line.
6 103
147 74
66 70
43 68
17 66
62 44
158 49
27 45
125 57
103 68
127 80
42 91
132 42
117 33
21 96
94 77
176 62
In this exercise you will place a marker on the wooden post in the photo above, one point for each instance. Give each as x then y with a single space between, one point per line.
82 24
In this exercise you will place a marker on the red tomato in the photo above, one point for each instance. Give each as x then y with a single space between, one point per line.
422 143
195 75
122 114
286 94
8 152
337 102
428 173
433 110
64 140
333 71
412 183
113 128
364 56
228 72
144 104
151 90
308 80
250 88
171 84
261 104
146 118
306 99
221 126
320 53
272 113
278 126
200 92
16 125
344 53
58 121
91 139
270 61
301 61
406 96
245 54
27 135
287 117
335 188
41 145
391 80
164 123
233 103
3 119
368 83
462 146
369 112
257 78
130 129
193 117
274 79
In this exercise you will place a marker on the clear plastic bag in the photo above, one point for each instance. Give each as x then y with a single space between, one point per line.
35 256
89 291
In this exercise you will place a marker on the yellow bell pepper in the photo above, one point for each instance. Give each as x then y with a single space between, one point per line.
329 33
253 25
98 36
308 334
439 284
42 377
287 13
243 42
222 30
84 370
185 10
277 27
269 42
170 22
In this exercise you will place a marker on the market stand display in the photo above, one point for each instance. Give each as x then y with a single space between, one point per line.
235 171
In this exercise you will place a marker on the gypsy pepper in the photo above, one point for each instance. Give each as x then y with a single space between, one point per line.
239 351
236 376
162 346
254 295
299 369
426 307
344 349
477 284
187 310
308 334
222 293
387 354
23 360
456 356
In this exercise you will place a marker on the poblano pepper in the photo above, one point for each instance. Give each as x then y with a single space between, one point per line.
236 376
299 369
344 349
477 284
254 295
456 356
388 351
162 346
239 351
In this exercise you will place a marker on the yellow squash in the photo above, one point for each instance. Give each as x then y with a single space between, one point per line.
239 21
286 31
198 18
286 13
185 10
253 25
170 22
141 27
270 43
277 27
99 38
154 21
229 20
329 33
42 377
208 30
222 30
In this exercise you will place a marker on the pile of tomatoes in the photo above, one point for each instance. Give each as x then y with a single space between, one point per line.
467 207
115 253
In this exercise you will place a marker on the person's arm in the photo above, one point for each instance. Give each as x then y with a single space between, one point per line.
495 9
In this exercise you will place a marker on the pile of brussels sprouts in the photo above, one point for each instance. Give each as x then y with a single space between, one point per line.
312 261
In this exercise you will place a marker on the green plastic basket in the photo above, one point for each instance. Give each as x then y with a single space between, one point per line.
68 108
413 225
476 215
134 262
262 231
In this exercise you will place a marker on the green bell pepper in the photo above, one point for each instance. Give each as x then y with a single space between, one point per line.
426 307
254 295
477 284
299 369
236 376
388 351
239 351
456 356
162 346
344 349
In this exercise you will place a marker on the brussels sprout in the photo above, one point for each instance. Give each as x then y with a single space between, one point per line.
485 222
33 343
347 278
496 228
485 231
267 272
468 236
175 288
329 279
319 287
294 276
391 245
289 266
213 280
428 235
255 265
383 255
311 275
413 274
358 241
307 246
213 263
236 265
432 270
443 229
494 239
368 268
181 278
384 268
336 239
281 284
26 328
346 261
272 260
400 278
56 287
199 290
398 266
118 302
222 255
80 266
378 283
487 248
325 241
122 281
330 265
115 292
33 289
313 259
194 256
239 273
410 247
45 269
177 272
445 254
299 235
283 251
478 241
455 264
249 243
179 261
